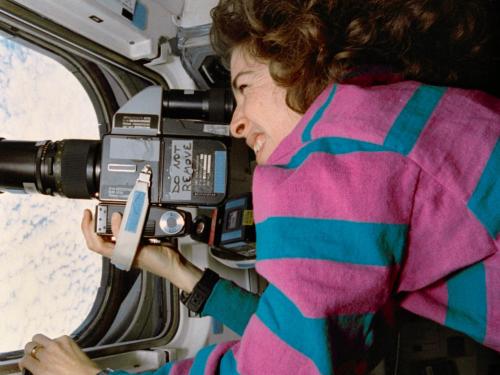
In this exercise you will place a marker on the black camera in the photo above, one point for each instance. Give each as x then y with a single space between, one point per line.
185 170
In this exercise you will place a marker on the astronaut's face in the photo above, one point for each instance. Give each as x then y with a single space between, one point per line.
261 116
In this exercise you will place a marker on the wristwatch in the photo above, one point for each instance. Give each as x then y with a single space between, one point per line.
195 300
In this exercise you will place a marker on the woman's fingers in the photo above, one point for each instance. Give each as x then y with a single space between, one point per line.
116 220
35 352
28 362
60 356
93 241
28 348
42 339
37 346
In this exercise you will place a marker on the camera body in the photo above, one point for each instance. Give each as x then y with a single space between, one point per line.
185 171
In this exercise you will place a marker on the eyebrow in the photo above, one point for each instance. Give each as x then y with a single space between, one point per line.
243 72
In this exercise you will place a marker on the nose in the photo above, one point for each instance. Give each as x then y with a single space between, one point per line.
239 124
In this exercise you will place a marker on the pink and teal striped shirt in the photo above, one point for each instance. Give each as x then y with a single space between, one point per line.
383 194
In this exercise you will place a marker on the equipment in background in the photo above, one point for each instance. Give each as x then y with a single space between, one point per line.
232 236
234 229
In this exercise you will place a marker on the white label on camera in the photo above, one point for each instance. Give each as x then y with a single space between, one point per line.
124 168
181 170
134 149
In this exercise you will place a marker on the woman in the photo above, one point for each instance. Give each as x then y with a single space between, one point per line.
374 187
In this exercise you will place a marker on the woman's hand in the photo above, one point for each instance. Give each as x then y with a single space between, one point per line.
160 260
61 356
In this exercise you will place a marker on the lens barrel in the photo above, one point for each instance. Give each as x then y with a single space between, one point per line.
17 164
214 105
69 168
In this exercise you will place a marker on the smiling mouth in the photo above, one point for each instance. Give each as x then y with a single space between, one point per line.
259 143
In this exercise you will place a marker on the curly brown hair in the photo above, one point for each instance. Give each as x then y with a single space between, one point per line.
311 43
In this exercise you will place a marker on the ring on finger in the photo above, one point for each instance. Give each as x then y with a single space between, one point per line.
35 350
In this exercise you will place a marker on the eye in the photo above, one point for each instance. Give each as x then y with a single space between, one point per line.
242 88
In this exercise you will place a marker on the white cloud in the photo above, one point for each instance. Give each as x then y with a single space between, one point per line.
49 279
44 99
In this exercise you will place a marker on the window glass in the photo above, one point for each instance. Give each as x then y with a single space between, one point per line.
48 278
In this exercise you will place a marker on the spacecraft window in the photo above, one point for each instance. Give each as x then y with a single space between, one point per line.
48 279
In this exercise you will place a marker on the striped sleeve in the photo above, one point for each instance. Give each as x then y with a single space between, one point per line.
231 305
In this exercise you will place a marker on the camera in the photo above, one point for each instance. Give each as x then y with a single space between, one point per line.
185 170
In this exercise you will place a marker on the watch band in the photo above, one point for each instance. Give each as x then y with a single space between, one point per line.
195 300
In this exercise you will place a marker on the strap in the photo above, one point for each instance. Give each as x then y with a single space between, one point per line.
133 222
195 300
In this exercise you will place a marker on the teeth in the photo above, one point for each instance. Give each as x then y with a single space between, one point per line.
258 145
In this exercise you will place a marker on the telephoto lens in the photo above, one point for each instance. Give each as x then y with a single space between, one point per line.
69 168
